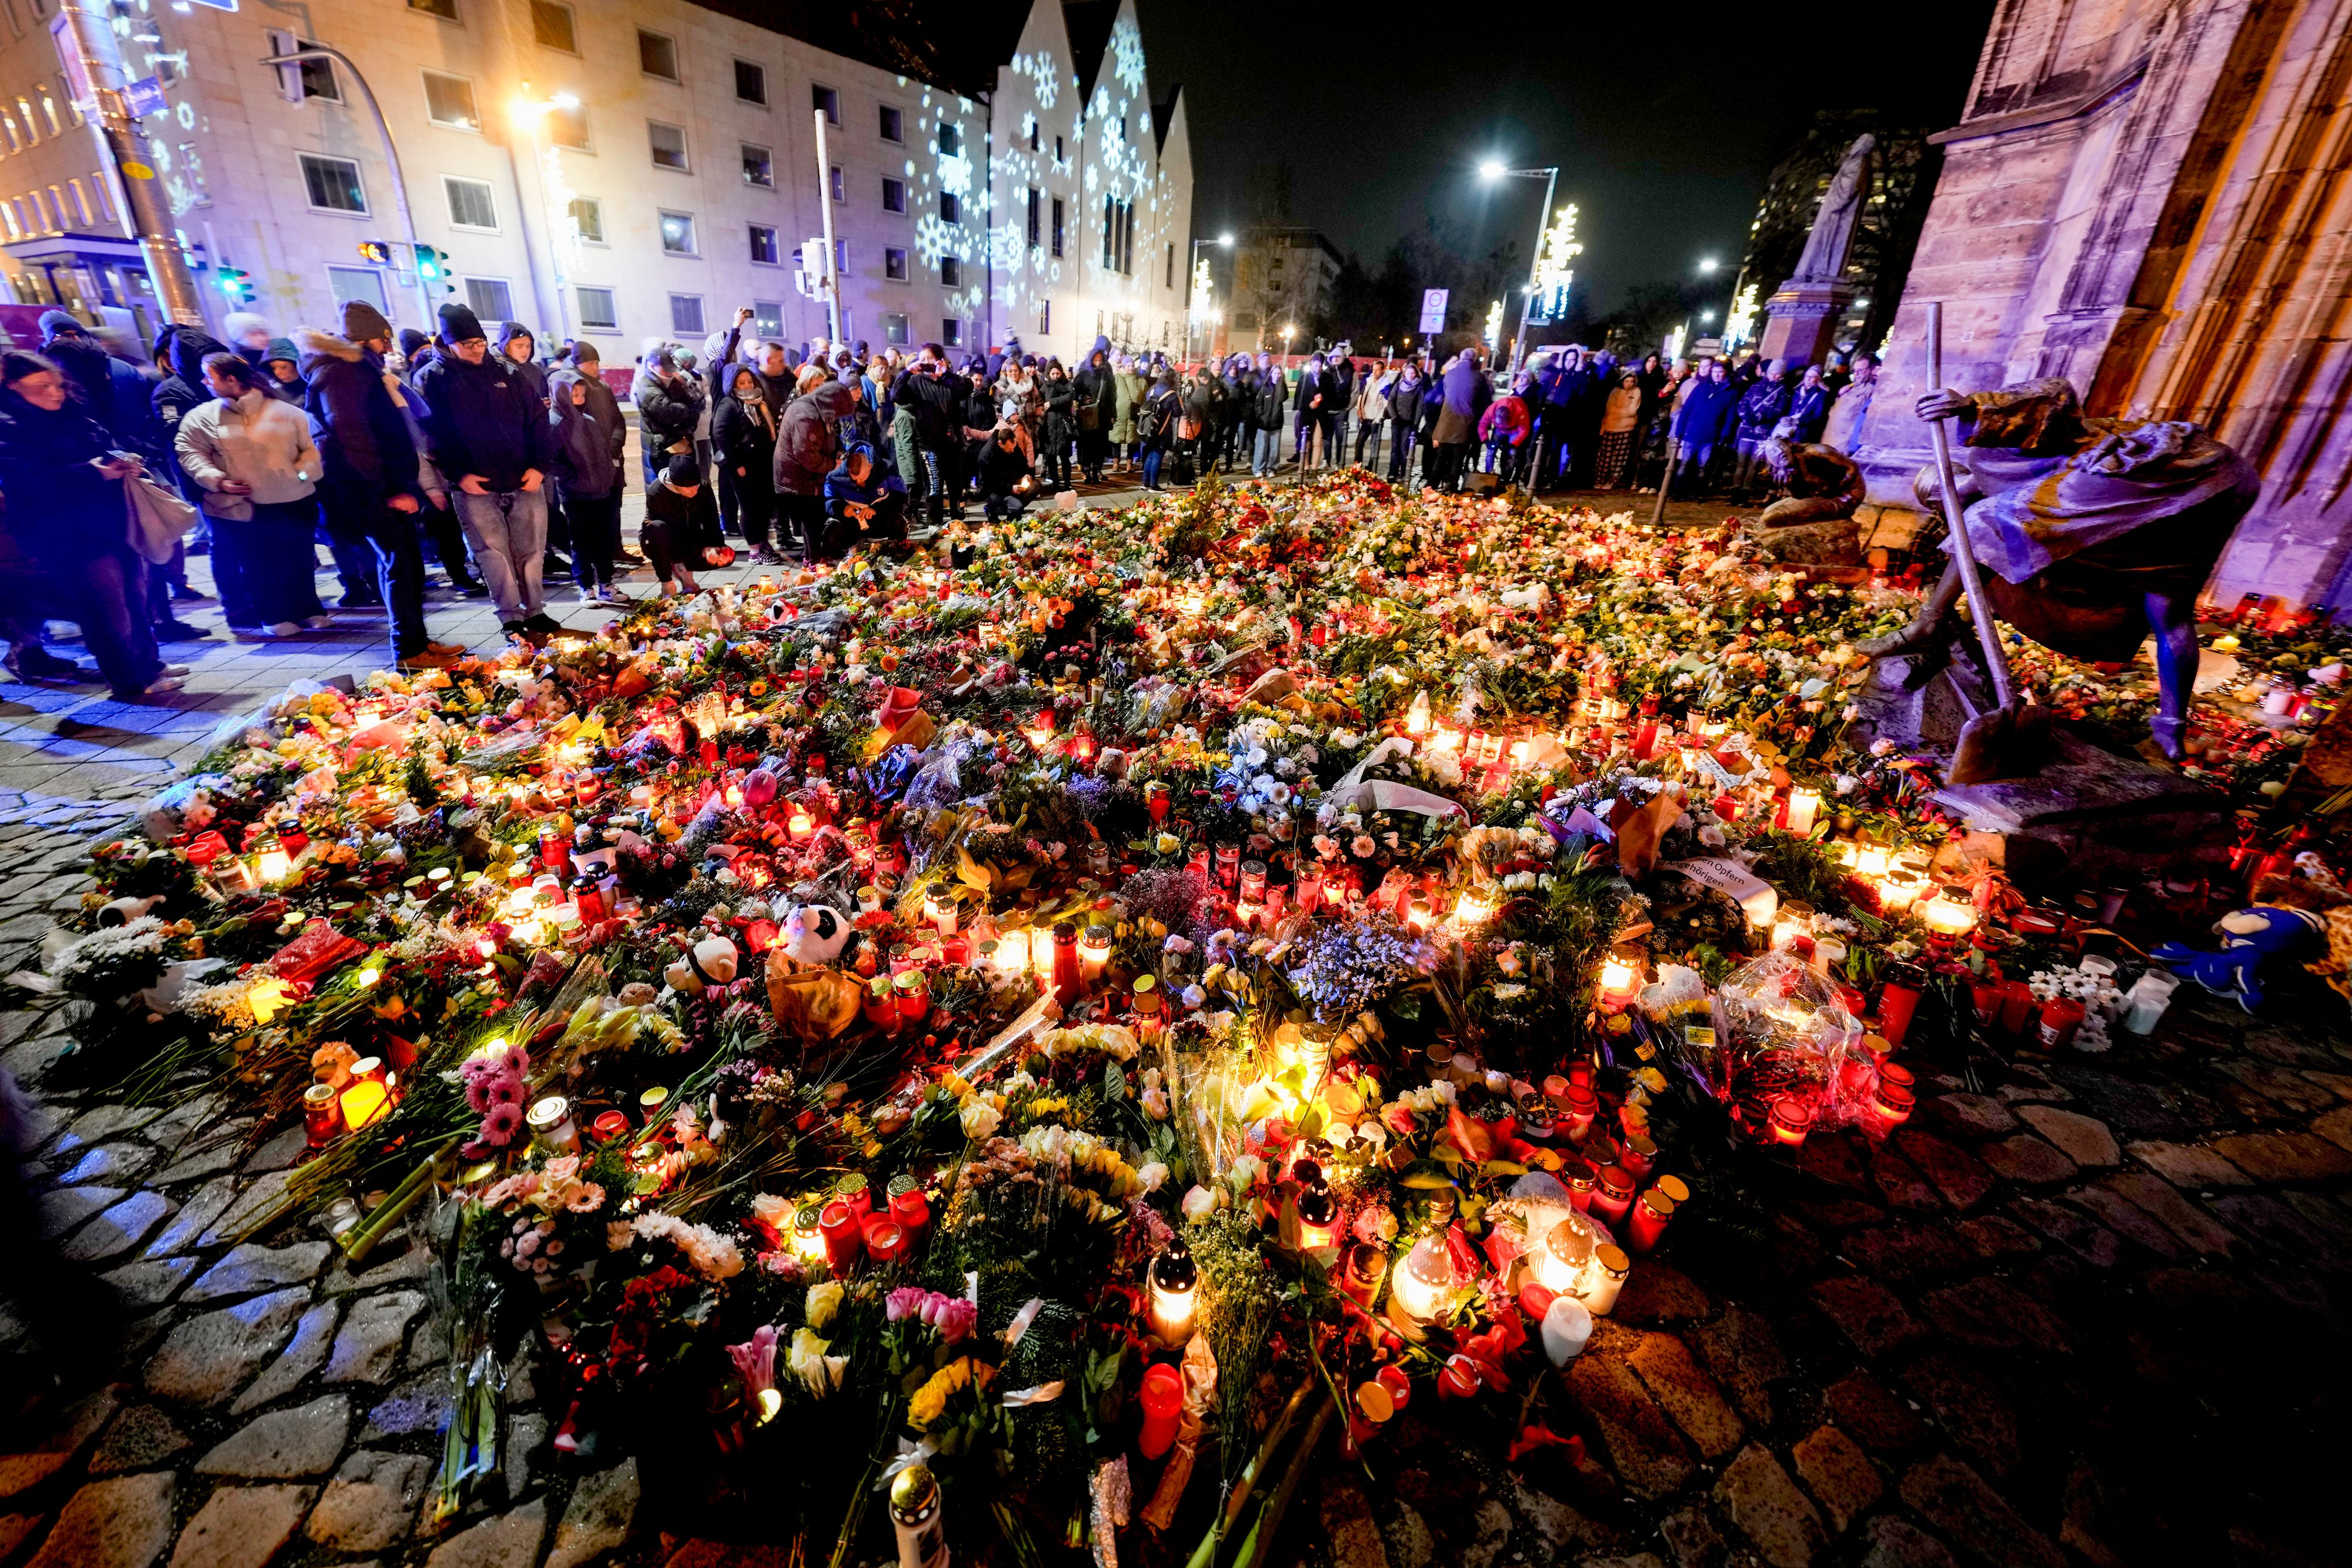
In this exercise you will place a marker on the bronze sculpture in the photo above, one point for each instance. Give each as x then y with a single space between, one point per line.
1812 524
2091 532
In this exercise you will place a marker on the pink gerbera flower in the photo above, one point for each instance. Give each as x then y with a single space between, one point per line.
501 1124
502 1092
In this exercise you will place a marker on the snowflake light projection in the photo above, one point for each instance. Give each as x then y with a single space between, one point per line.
1127 55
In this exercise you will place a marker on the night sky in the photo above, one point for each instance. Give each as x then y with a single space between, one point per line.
1665 119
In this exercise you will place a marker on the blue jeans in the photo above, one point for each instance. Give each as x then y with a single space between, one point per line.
507 534
1265 451
1152 457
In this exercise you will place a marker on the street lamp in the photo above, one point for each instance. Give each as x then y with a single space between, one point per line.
528 111
390 157
1491 170
1707 266
1193 280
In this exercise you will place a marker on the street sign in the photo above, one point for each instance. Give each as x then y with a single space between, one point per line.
143 98
1432 309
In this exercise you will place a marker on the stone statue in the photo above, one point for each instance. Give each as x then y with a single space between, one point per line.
1833 232
2090 533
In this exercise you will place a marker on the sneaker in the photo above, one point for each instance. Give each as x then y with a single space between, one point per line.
512 628
762 556
285 629
251 634
163 685
176 630
546 625
177 672
626 557
361 601
613 597
318 622
428 660
37 664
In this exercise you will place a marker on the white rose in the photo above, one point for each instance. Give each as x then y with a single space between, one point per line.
1200 1203
980 1120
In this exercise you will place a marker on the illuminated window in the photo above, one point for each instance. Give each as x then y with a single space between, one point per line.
677 234
32 126
1044 316
768 317
894 264
551 23
588 219
8 216
445 9
894 330
568 127
657 55
894 124
49 108
8 124
894 195
763 244
759 167
81 201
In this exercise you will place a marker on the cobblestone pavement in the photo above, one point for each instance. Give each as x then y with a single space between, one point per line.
2093 1314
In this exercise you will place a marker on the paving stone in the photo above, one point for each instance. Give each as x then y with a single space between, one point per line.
141 1439
66 1207
1695 1540
116 1163
1648 1454
2026 1158
303 1355
242 1527
1861 1406
369 1345
194 1217
1492 1525
372 1502
420 1405
1897 1543
1960 1177
2294 1092
248 1269
1957 1502
1407 1537
1905 1252
104 1122
1900 1181
2201 1230
1744 1354
16 1529
2336 1125
2271 1223
1969 1406
1833 1159
1560 1531
67 1436
603 1506
2285 1156
1869 1314
124 1522
1770 1509
119 1229
206 1159
150 1284
2134 1110
526 1435
205 1358
2030 1082
279 1153
1994 1314
2329 1219
395 1269
1974 1115
1688 1395
2089 1241
170 1131
429 1345
2127 1219
2082 1139
1994 1236
1841 1475
1351 1533
1665 1294
302 1441
1838 1213
259 1199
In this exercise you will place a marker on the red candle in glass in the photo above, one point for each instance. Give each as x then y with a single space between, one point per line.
322 1114
1648 1221
885 1238
911 1209
1163 1407
1986 996
1899 1000
1581 1107
1612 1194
2059 1018
1893 1103
1793 1118
1398 1383
844 1237
2016 1006
1069 982
1579 1187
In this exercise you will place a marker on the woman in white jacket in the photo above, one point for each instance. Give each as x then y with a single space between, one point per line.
258 467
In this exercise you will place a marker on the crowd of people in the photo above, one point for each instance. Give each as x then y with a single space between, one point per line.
510 466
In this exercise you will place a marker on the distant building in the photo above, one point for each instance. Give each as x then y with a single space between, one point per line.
1282 277
621 173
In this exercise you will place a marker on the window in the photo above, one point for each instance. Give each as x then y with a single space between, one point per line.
1033 136
950 140
1170 282
763 244
445 9
32 126
82 202
588 219
364 283
894 124
668 144
1057 150
490 298
551 23
685 313
752 83
894 264
951 331
334 184
1058 225
1119 236
449 100
315 78
1044 316
951 271
825 101
894 328
839 185
677 234
599 309
657 55
951 210
569 127
1036 217
841 258
894 195
8 123
759 167
471 206
768 317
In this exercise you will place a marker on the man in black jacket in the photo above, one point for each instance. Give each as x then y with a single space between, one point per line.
492 440
1097 409
938 399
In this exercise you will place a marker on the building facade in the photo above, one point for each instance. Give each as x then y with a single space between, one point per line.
2151 199
615 173
1282 279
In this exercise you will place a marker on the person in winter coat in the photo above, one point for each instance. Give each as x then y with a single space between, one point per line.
863 501
1095 407
588 482
1196 433
58 465
1843 427
1463 397
1761 407
743 439
252 456
669 405
1267 397
490 437
1505 427
1005 475
1404 398
1309 402
808 443
1155 426
1619 417
1709 414
282 368
676 509
605 404
1133 389
248 336
1809 405
1058 430
1371 412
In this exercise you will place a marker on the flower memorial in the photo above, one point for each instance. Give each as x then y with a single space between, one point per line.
1129 995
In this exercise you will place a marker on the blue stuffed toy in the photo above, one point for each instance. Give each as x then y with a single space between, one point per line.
2259 936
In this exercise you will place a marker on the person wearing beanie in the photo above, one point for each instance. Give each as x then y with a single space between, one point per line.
416 348
587 478
604 408
282 363
519 348
363 323
490 436
674 506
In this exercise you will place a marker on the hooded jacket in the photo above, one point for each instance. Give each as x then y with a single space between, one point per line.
1708 414
1762 406
484 419
253 439
363 433
744 434
180 353
841 490
60 506
668 411
529 367
584 443
1465 397
111 392
1506 420
808 439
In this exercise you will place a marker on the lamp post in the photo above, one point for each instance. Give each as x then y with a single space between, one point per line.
1491 170
530 111
1193 280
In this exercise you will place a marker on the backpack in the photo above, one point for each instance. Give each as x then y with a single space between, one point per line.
1148 421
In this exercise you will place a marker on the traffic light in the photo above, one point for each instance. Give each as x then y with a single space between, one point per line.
433 266
375 252
237 285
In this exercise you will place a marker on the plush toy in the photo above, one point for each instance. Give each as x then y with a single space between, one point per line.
2259 936
815 934
710 962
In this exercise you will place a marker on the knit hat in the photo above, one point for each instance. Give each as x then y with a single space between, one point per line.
682 473
237 323
363 323
461 325
54 323
281 348
411 342
584 353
